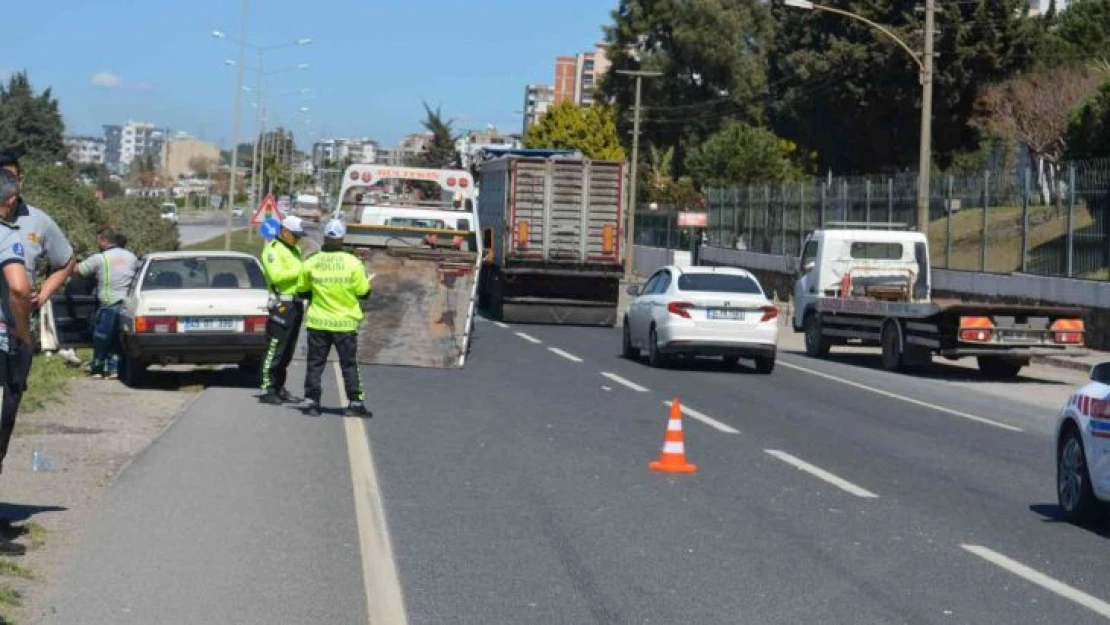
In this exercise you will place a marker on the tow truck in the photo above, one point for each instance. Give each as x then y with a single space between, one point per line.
420 245
871 285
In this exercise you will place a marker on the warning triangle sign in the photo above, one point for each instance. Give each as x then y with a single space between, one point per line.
266 210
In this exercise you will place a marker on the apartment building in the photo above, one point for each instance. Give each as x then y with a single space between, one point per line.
123 143
182 152
472 142
576 77
537 99
86 150
358 150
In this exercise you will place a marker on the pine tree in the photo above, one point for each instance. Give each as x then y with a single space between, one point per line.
30 125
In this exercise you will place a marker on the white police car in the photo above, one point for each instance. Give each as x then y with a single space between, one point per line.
1083 448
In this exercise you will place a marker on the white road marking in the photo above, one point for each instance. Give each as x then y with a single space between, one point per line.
500 324
619 380
908 400
706 419
820 473
1094 604
569 356
528 337
384 599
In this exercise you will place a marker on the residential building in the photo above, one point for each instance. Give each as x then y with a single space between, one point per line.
86 150
182 153
472 142
576 77
565 79
113 147
360 150
537 99
141 139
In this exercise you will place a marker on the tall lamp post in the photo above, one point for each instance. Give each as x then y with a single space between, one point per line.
243 45
631 234
924 62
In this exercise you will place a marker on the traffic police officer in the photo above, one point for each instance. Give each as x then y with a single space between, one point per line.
337 280
282 262
114 269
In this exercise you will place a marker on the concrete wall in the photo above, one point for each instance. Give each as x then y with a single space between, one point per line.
776 274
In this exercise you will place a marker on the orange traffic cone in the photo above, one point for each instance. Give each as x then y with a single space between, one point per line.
673 457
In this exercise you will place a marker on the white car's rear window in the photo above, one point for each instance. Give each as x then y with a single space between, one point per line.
203 273
718 283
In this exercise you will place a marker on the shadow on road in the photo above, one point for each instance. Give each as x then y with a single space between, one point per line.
17 512
184 378
938 370
1099 524
698 363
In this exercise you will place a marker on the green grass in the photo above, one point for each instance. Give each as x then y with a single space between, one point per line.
245 241
49 379
11 569
35 533
10 596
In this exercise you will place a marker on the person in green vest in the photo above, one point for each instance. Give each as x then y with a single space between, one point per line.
282 262
338 283
113 269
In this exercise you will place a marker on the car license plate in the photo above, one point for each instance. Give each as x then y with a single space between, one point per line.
210 324
735 314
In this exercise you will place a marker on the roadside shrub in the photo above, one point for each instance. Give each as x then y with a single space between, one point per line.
140 220
54 189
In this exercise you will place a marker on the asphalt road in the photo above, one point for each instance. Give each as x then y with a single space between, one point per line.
204 229
516 490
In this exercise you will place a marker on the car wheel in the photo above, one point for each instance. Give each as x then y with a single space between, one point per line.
816 345
764 364
1073 480
655 358
629 352
132 372
892 348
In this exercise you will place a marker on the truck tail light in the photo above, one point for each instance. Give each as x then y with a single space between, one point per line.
608 239
522 235
1069 331
155 325
255 325
769 313
680 308
976 329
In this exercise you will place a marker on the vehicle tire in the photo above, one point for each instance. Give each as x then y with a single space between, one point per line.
496 297
655 357
731 361
817 346
892 346
999 368
1073 479
629 352
132 372
764 364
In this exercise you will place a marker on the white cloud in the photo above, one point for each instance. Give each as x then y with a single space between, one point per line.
107 80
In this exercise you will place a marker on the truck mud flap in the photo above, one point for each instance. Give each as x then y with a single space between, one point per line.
421 307
566 312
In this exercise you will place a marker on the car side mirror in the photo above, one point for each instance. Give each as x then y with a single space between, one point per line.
633 289
1101 373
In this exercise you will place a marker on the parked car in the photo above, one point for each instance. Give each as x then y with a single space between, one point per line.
237 212
702 311
1083 448
196 307
169 211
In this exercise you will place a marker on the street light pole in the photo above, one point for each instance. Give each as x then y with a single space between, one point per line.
631 222
235 128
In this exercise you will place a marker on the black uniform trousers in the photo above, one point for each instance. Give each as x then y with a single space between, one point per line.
319 345
282 328
18 369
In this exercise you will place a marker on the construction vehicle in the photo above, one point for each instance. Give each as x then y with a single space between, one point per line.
871 284
552 234
416 230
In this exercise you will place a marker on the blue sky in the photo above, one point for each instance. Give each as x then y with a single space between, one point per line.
371 63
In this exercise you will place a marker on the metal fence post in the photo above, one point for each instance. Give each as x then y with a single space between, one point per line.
801 217
986 207
948 226
735 216
669 219
749 214
1071 221
821 208
1025 221
867 203
890 200
766 249
782 220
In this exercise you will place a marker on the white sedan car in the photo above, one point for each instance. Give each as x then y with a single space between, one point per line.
702 311
1083 448
197 307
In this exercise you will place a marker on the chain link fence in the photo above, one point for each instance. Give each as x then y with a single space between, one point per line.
1053 222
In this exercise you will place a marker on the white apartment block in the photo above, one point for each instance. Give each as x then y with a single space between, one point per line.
86 150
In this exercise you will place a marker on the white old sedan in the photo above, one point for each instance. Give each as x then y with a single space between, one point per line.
702 311
197 307
1083 448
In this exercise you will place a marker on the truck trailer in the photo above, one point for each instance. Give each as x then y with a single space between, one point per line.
551 230
871 285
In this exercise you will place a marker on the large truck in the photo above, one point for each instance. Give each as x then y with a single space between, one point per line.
551 228
872 286
420 244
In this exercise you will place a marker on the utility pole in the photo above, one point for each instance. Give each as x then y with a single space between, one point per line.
924 158
631 225
235 128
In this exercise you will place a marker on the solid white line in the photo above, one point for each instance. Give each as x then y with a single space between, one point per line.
567 355
527 337
1094 604
619 380
500 324
818 472
706 419
909 400
384 599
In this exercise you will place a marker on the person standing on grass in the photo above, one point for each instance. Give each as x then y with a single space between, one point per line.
114 269
15 322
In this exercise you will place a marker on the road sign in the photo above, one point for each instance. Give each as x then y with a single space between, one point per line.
268 209
269 229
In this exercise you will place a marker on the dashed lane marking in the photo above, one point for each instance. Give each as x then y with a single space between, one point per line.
569 356
1094 604
822 474
528 337
619 380
706 419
